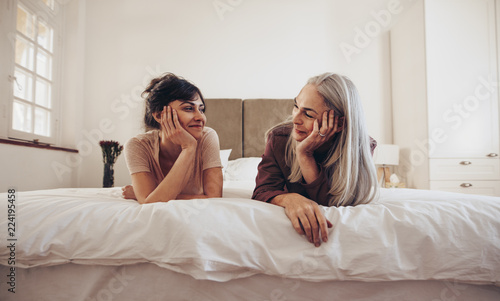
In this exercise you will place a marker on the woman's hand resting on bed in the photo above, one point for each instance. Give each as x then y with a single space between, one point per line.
305 215
128 192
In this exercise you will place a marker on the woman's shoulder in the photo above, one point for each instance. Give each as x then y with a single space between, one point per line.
209 137
277 137
208 145
209 134
208 131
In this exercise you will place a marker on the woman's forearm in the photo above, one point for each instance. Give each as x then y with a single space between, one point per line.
176 179
308 167
282 199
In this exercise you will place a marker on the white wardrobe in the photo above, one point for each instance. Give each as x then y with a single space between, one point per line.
444 64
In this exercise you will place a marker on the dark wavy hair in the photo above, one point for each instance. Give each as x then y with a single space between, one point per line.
164 89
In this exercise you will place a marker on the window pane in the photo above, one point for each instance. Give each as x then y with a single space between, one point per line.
45 34
42 122
25 22
43 93
21 117
44 64
25 52
23 85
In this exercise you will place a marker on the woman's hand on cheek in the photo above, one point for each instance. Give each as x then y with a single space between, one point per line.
318 136
173 129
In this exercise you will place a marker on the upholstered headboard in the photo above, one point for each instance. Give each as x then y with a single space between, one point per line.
242 124
225 117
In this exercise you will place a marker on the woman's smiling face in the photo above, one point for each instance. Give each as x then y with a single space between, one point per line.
191 115
309 106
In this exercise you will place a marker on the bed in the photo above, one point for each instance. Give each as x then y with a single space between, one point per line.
91 244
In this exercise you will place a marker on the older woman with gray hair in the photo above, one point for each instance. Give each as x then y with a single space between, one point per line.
321 156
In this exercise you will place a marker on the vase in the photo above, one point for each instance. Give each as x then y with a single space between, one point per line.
108 179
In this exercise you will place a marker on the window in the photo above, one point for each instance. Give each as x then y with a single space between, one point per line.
34 75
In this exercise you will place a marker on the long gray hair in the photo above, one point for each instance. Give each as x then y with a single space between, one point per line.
349 165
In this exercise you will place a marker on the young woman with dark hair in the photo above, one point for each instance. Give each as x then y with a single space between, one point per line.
178 158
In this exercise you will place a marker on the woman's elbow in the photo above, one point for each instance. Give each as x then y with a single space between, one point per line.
153 198
217 193
214 195
142 202
214 191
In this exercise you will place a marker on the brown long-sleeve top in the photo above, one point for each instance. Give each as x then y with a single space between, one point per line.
273 173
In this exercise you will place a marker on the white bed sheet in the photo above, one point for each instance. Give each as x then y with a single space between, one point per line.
406 235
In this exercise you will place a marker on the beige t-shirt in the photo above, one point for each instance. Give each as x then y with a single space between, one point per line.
142 155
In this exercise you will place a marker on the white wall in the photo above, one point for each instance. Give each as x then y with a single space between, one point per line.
258 48
28 168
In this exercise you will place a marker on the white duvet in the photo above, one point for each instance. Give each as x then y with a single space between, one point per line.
406 235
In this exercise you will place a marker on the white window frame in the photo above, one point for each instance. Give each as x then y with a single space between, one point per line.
53 18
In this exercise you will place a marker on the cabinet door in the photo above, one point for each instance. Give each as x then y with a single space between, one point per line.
461 78
491 188
464 169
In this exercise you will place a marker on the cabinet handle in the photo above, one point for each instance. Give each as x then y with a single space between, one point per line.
466 185
466 162
492 155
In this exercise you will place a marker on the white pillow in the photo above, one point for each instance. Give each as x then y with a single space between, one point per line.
242 169
224 158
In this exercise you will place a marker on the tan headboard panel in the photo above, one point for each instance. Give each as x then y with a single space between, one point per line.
225 116
242 124
259 115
